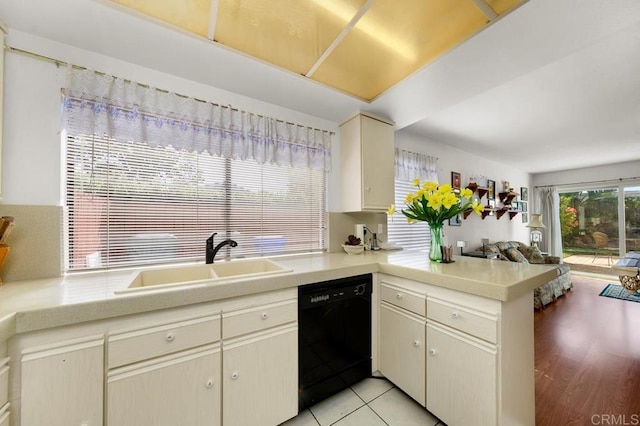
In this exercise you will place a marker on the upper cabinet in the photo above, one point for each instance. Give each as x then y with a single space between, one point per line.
367 161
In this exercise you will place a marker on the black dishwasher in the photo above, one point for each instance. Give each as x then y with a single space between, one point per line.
334 336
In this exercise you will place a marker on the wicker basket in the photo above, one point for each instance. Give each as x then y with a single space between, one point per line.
631 283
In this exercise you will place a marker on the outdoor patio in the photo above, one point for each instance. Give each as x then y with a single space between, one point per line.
599 264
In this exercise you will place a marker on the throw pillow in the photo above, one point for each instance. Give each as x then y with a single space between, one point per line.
515 256
532 254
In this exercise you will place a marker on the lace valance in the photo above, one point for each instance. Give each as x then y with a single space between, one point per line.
108 106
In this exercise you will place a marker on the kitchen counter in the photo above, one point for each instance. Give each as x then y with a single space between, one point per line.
71 299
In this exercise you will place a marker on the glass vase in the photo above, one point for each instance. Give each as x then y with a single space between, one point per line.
435 252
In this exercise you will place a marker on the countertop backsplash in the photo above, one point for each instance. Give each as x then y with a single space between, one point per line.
35 243
341 225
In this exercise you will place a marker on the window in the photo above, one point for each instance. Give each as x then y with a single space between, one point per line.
410 236
133 203
408 166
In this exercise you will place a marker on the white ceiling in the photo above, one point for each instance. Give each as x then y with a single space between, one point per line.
554 85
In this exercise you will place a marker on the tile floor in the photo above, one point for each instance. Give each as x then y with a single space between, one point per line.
372 402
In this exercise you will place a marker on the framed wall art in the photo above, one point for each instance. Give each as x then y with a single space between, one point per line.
491 192
524 193
455 181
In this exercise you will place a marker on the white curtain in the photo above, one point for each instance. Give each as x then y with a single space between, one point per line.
550 210
410 165
108 106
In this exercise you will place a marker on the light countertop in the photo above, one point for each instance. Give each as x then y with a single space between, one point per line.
40 304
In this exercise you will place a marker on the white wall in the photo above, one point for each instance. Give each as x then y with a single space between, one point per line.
31 172
627 170
451 159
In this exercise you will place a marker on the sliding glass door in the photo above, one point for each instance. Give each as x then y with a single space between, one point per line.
632 218
599 225
589 221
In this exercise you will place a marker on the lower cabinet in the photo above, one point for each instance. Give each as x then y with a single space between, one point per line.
260 377
62 384
402 350
179 389
461 377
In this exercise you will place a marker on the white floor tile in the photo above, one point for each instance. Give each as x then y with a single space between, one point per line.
363 416
398 409
336 407
304 418
369 389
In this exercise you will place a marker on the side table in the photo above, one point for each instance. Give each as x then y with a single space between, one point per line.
484 255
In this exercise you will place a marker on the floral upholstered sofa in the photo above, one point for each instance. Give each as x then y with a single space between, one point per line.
514 251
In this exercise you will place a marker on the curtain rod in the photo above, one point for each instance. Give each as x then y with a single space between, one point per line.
593 181
59 63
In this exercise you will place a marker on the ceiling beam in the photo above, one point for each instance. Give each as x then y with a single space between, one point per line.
341 36
213 19
486 9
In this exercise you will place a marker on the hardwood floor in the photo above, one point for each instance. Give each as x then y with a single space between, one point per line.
587 350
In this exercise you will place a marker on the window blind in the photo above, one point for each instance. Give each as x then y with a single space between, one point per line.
130 204
410 236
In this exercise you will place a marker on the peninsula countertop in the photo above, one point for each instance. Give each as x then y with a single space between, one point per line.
40 304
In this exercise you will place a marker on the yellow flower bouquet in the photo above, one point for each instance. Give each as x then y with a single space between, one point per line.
433 203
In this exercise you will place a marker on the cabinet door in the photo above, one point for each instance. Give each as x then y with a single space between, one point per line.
181 389
402 350
461 378
377 164
260 378
62 386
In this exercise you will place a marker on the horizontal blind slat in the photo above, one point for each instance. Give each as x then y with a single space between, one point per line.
130 204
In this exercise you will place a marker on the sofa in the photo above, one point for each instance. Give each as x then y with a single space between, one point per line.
514 251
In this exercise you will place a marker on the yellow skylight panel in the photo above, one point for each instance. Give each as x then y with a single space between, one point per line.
190 15
289 34
391 42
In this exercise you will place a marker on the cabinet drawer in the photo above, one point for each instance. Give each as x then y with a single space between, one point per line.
133 346
402 298
258 318
476 323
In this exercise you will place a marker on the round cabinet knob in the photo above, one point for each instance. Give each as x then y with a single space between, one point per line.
368 189
209 384
398 295
455 315
416 343
235 375
432 352
264 316
169 337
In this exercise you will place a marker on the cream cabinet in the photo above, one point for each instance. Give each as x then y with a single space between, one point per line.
62 383
166 374
182 389
402 340
461 377
367 163
260 363
478 367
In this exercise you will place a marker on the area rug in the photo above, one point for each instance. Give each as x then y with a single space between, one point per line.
616 291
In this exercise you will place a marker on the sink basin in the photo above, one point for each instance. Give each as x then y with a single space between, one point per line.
172 276
248 267
202 274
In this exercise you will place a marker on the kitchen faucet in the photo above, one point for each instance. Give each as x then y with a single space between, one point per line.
211 251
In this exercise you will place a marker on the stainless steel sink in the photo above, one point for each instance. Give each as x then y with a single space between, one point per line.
161 278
